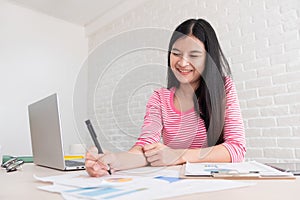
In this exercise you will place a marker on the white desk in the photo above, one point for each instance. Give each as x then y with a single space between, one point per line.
22 185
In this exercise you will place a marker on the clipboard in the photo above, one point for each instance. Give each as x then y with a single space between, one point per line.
259 172
294 168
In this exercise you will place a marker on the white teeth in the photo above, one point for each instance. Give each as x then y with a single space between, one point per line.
184 70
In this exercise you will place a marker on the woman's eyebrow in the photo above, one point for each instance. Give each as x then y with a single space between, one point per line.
175 49
196 51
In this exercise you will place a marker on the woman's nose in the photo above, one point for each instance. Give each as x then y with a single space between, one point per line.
183 62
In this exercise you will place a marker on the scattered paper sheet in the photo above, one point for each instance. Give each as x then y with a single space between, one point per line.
149 172
153 183
79 179
60 177
189 186
56 188
155 189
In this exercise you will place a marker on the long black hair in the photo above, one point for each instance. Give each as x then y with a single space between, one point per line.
209 98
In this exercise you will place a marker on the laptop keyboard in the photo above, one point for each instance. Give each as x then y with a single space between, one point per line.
72 163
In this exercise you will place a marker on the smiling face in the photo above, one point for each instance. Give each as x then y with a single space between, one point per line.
187 60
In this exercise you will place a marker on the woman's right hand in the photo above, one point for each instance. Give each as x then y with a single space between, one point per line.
94 163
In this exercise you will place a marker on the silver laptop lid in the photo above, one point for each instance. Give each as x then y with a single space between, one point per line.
46 137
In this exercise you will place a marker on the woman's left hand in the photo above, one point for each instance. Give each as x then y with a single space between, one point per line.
158 154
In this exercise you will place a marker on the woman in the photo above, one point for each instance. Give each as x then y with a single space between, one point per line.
197 117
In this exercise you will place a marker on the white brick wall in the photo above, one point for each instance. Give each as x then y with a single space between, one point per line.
261 40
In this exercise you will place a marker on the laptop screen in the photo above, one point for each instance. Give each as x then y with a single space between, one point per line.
46 138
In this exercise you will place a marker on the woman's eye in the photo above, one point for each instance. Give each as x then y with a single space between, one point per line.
194 56
176 54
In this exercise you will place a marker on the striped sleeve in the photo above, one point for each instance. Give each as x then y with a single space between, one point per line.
152 126
234 133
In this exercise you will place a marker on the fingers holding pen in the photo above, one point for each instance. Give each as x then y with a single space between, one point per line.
95 169
95 163
92 154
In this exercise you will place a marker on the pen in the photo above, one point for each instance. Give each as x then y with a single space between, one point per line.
93 135
109 170
95 140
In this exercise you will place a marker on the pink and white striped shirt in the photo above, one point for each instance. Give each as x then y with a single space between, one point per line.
186 130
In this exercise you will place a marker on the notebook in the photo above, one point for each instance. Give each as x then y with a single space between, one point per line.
46 135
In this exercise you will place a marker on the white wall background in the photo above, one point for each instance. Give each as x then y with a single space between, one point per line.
39 55
260 39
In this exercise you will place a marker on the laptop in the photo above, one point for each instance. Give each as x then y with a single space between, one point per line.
46 135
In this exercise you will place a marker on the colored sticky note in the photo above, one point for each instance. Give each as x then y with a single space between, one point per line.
168 178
